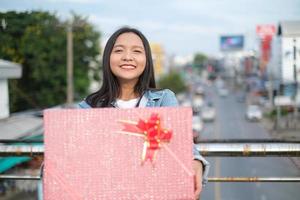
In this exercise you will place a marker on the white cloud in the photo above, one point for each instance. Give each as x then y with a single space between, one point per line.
75 1
194 29
151 26
182 26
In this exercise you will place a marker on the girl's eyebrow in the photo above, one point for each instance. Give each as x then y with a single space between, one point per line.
134 46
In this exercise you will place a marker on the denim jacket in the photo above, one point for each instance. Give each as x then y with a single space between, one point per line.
164 98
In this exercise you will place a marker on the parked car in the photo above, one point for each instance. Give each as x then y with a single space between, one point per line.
208 113
253 113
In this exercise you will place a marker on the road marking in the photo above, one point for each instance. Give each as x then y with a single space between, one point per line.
217 171
217 184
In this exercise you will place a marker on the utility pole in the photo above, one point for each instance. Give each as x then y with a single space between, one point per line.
70 64
296 80
270 89
70 67
70 26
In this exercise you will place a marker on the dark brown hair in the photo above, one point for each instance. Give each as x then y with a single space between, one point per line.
110 88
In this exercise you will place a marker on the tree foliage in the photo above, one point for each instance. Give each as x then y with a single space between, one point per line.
172 81
199 61
37 40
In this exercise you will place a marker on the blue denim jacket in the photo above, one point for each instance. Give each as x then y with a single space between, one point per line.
163 98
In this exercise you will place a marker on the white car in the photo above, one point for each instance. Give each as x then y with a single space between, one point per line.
223 92
197 125
208 113
186 103
197 103
253 113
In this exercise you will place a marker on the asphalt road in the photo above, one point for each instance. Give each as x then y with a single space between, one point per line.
230 123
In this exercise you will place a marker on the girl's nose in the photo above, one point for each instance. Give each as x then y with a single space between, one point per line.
127 56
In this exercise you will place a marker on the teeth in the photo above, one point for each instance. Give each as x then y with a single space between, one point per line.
127 67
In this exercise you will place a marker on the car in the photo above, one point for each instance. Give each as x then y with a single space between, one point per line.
197 103
199 90
223 92
208 113
219 83
253 113
197 125
186 103
263 101
181 97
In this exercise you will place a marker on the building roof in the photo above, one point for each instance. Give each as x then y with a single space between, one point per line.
289 29
10 70
23 125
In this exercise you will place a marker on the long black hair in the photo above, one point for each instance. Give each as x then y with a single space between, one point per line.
110 88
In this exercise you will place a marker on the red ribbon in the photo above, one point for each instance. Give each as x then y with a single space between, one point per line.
152 132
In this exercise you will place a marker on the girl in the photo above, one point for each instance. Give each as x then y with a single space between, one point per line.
128 82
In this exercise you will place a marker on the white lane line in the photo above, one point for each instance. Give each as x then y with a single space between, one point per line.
217 171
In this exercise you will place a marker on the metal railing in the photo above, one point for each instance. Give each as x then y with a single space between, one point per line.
210 148
247 148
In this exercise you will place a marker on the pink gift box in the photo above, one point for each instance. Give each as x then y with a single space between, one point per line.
86 156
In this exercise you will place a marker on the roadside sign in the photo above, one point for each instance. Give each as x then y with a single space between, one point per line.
283 101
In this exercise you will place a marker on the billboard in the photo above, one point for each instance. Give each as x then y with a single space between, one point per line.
232 42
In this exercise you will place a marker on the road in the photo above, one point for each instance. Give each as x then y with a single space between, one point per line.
230 123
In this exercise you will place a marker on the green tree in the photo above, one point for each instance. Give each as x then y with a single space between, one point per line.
37 40
199 61
172 81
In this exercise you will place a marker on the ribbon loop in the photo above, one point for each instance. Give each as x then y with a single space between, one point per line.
153 132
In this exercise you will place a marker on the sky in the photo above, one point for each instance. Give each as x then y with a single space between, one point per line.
182 27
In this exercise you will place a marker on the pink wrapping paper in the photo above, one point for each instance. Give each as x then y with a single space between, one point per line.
85 157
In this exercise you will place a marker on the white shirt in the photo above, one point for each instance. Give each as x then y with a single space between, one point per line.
126 104
131 103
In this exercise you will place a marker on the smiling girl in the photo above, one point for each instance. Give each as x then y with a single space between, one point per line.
128 82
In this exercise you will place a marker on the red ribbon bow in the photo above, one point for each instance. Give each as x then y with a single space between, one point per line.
152 132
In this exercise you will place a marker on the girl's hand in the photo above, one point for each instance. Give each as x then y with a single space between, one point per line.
198 168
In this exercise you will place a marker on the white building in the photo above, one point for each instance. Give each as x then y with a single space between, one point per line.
285 57
8 70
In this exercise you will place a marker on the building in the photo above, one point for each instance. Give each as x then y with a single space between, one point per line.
8 70
158 57
24 125
285 57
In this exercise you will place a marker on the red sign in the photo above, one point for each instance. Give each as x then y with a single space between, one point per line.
265 30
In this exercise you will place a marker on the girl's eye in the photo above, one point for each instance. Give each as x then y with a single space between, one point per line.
118 50
137 51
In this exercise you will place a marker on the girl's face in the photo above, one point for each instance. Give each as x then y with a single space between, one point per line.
128 58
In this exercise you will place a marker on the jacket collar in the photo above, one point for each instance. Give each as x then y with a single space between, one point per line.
151 95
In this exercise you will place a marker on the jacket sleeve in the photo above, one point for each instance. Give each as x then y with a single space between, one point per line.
205 164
